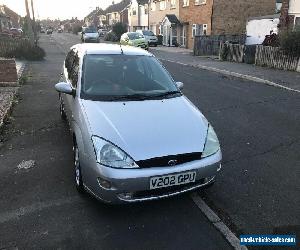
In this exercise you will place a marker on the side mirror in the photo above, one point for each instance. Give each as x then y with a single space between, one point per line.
179 85
65 88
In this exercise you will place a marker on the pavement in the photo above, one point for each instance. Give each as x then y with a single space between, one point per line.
281 78
40 207
257 191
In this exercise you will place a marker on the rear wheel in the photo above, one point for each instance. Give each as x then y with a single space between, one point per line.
77 170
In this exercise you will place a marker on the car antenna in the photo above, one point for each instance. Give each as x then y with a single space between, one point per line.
122 52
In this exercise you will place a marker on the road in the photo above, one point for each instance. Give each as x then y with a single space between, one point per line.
257 191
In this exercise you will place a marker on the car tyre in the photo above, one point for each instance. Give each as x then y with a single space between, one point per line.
62 109
77 170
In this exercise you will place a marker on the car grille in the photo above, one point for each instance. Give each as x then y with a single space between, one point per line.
164 161
166 190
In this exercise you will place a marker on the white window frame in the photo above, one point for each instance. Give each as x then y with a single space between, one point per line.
186 3
172 4
162 5
200 2
197 28
153 6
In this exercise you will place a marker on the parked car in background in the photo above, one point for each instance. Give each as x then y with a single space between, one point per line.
102 32
15 33
134 39
126 114
49 31
43 30
89 34
149 36
59 30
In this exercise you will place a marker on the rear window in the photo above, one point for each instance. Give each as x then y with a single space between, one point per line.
148 33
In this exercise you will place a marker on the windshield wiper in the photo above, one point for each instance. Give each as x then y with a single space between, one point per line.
134 97
168 94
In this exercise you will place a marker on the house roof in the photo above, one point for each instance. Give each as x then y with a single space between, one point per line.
265 17
118 7
96 12
173 19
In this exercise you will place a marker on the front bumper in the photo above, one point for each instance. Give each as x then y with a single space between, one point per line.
91 39
133 185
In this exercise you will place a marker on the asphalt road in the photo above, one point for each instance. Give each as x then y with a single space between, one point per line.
40 207
257 191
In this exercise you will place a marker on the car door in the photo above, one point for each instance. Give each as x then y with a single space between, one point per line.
71 70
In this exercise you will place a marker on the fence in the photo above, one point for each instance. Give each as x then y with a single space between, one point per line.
8 45
276 58
232 52
210 45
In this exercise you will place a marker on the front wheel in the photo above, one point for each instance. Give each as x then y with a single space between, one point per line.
77 170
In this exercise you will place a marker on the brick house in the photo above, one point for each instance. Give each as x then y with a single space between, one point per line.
164 20
220 17
13 16
138 15
96 18
290 14
203 17
113 12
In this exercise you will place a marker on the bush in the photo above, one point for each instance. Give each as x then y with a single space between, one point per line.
76 29
119 29
27 52
111 36
290 42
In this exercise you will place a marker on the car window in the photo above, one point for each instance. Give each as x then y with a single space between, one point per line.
134 36
106 76
90 30
148 33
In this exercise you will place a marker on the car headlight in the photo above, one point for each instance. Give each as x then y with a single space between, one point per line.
110 155
212 144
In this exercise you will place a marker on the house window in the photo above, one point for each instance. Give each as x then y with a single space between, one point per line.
297 22
198 2
199 30
162 5
153 6
186 3
173 4
133 11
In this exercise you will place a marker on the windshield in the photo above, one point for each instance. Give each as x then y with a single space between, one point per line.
148 33
90 30
134 36
125 77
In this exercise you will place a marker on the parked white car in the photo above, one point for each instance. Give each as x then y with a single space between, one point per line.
89 34
149 36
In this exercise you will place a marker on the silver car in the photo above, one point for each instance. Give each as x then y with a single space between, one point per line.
136 136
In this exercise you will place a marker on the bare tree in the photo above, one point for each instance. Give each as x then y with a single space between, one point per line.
33 19
29 24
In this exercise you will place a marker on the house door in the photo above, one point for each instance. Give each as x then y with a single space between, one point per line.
183 37
166 35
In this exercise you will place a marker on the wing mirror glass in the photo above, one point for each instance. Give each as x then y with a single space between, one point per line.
179 85
65 88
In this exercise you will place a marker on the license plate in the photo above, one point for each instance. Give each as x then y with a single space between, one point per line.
172 180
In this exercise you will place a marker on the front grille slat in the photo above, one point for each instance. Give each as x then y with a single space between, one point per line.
163 161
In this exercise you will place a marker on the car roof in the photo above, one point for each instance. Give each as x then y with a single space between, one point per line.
108 49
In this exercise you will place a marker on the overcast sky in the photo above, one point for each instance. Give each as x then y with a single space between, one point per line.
62 9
